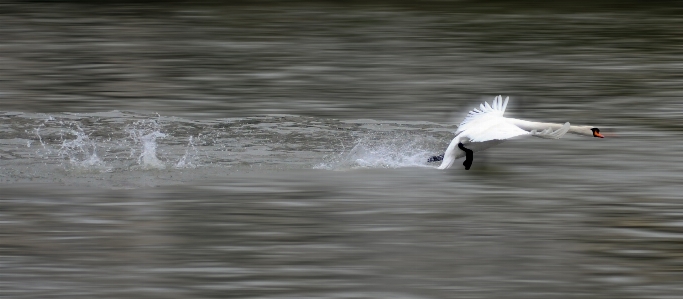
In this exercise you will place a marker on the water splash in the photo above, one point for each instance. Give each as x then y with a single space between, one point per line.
144 134
45 152
81 151
187 160
395 152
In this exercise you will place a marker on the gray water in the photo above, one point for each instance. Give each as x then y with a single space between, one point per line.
280 151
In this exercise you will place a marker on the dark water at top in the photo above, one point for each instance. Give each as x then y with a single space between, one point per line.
328 60
279 151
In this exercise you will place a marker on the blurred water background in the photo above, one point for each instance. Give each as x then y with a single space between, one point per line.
278 150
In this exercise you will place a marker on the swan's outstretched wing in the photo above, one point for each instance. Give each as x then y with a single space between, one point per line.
499 130
487 123
497 109
550 134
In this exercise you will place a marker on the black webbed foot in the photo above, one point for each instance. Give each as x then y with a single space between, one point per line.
435 158
469 156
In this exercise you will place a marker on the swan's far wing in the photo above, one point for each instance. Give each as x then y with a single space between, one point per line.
550 134
497 109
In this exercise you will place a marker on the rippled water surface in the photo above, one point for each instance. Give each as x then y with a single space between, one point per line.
280 151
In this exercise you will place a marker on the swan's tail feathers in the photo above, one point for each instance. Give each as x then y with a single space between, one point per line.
550 134
451 154
447 162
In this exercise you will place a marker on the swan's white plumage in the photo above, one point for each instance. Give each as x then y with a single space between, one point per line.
489 124
485 127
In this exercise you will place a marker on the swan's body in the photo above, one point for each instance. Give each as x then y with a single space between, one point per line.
486 127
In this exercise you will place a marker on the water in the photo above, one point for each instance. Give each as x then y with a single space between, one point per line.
279 151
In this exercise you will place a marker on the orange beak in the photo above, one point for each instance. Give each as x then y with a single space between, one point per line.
596 134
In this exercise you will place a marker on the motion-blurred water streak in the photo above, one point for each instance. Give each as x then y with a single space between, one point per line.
280 151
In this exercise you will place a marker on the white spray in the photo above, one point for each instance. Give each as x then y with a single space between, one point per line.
186 161
145 134
81 151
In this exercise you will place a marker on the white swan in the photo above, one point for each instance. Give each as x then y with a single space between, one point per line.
486 127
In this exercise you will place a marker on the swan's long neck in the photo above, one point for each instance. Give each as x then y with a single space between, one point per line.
532 125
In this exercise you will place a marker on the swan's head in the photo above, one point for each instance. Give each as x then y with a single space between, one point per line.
586 131
596 133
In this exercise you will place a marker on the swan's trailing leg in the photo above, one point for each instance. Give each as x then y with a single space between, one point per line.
469 156
435 158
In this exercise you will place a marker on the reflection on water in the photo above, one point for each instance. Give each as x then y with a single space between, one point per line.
332 197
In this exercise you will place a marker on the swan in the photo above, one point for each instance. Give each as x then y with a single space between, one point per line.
486 127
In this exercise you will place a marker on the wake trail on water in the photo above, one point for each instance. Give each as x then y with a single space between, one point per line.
146 149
